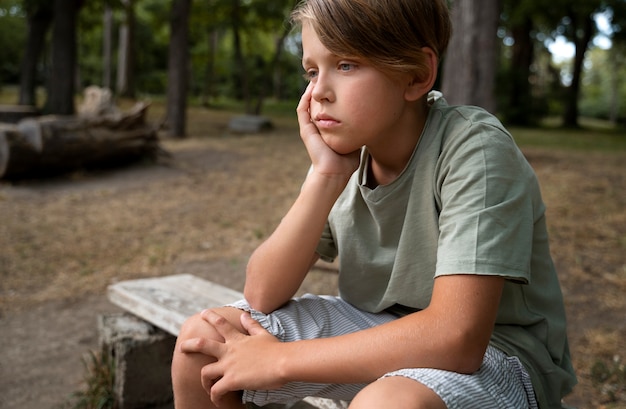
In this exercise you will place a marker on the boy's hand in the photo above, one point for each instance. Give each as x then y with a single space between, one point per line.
325 160
244 361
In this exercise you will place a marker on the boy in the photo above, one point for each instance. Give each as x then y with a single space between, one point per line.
448 295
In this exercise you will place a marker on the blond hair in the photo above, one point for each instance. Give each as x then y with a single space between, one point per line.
390 34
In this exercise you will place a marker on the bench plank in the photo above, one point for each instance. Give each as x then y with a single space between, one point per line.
167 302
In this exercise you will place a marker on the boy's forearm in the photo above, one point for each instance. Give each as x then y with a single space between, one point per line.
361 357
452 334
365 356
276 269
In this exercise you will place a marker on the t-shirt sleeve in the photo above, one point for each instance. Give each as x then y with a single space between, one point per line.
488 199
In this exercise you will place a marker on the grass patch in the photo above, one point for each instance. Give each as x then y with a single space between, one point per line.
99 384
610 379
595 135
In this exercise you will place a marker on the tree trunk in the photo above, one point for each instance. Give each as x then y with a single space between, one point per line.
470 65
241 72
107 46
38 24
264 86
209 69
51 144
272 70
616 61
126 59
178 68
519 110
570 115
61 84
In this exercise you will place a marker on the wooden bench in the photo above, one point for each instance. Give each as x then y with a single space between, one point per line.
166 302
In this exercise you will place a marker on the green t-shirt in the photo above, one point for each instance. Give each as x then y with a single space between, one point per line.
468 202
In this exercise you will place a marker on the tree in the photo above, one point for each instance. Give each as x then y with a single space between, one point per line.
12 37
237 46
241 71
469 69
617 58
522 21
39 15
60 95
578 26
127 54
107 45
178 68
580 31
276 14
604 90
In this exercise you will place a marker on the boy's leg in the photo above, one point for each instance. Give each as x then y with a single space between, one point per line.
501 382
186 380
397 392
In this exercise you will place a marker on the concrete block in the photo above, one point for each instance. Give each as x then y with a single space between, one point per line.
142 355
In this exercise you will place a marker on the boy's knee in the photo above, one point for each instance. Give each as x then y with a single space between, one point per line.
194 327
397 392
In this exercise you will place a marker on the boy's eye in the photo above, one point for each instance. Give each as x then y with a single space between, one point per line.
310 75
345 67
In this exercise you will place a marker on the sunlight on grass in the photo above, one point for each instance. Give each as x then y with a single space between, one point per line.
595 135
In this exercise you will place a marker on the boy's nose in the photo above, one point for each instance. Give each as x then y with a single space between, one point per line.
322 90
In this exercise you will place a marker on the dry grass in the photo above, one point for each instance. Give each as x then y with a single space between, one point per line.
220 195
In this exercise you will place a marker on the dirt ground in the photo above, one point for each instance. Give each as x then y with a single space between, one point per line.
203 210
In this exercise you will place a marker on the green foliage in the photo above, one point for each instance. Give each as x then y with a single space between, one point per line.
562 18
213 67
210 45
604 86
151 36
12 36
99 381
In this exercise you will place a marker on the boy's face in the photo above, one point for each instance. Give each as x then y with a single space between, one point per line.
353 104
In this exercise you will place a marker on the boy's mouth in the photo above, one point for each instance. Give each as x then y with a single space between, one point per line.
325 121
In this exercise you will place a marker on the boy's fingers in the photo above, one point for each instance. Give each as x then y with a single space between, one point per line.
304 113
251 325
305 102
202 346
221 324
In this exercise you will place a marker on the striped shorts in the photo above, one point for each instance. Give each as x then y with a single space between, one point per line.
501 381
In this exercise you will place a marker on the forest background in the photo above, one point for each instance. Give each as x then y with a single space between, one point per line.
524 60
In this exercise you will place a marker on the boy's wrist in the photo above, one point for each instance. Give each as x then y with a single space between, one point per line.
327 182
284 363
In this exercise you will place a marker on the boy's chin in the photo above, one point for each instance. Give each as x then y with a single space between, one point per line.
341 148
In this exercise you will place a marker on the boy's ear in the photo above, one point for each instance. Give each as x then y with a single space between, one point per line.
423 82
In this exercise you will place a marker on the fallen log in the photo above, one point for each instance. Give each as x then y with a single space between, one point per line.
13 113
23 148
48 145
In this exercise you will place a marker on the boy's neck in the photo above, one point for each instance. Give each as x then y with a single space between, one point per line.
385 165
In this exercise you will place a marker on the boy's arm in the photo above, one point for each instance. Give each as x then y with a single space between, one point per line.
452 333
277 267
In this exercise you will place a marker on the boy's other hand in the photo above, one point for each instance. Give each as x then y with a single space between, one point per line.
243 361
